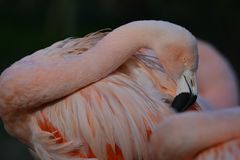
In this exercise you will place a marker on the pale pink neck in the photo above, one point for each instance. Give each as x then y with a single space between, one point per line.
114 49
186 135
40 81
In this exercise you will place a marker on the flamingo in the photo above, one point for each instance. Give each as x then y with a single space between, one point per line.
100 96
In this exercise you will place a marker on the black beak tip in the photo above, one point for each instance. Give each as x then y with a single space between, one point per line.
182 101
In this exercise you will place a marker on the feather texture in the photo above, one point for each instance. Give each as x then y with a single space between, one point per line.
112 117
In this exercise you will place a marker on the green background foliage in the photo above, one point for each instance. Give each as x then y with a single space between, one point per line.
29 25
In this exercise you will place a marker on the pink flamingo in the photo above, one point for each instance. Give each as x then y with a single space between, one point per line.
76 99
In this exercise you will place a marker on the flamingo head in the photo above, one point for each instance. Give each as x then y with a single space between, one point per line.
180 60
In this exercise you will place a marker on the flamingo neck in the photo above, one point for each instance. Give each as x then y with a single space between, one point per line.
35 81
114 49
196 132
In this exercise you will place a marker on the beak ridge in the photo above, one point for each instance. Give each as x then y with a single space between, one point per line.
186 91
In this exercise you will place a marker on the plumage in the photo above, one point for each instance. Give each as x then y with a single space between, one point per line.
99 112
76 100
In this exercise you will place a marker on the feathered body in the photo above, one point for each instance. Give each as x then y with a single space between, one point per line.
109 119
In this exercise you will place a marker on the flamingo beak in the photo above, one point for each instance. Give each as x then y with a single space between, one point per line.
186 94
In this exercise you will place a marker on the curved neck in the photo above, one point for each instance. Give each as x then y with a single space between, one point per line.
38 81
114 49
185 135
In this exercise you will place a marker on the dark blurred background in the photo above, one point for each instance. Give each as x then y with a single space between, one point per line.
29 25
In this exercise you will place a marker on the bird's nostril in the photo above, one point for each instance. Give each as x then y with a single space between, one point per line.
182 101
191 81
